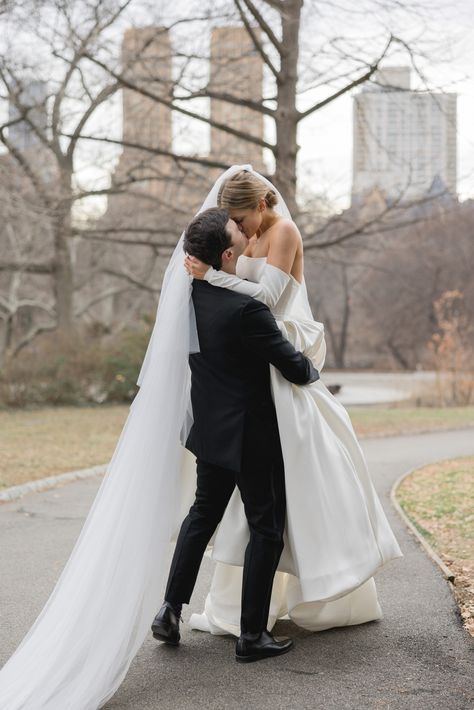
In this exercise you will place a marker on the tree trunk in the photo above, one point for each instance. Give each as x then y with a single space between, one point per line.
63 270
346 312
398 355
286 118
339 339
5 336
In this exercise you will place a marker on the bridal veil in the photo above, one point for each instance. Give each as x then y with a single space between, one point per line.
78 651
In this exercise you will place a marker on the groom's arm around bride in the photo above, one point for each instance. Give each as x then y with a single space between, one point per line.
234 437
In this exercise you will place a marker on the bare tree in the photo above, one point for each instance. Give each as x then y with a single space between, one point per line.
295 66
51 101
393 295
77 50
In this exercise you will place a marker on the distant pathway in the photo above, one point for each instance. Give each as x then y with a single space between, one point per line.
417 657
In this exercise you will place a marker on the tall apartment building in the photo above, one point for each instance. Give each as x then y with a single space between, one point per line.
403 140
162 195
33 97
146 61
237 69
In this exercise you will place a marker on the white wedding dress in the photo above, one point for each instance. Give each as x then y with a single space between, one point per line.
337 534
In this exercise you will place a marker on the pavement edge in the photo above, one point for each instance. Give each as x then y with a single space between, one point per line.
446 572
43 484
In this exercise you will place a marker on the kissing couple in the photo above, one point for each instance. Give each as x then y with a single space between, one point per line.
280 485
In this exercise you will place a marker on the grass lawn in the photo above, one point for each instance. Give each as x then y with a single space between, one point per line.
44 442
439 499
389 421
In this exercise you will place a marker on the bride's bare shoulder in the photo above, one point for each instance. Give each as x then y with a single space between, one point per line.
285 230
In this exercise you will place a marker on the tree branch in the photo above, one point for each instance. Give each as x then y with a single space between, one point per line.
45 268
276 4
14 95
191 114
29 172
100 297
373 68
155 151
231 99
88 233
264 26
134 242
79 52
257 44
130 279
102 96
31 335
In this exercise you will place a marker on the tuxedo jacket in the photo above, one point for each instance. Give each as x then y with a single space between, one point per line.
230 376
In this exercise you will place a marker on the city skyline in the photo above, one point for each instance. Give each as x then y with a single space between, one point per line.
325 139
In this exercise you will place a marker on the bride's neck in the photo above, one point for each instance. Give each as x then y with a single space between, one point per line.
268 221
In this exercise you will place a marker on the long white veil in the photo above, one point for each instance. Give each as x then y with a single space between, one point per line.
78 651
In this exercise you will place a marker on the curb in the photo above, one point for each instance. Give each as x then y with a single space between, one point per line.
416 432
446 572
15 492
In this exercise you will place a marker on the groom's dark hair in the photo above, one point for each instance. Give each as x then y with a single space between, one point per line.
206 236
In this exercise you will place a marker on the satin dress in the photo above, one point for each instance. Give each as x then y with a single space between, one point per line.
337 535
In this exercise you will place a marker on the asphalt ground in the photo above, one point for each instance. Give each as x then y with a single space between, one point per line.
417 656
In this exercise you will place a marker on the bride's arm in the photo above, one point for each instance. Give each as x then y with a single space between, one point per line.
268 290
275 274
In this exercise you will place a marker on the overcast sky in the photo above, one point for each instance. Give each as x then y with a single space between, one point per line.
326 137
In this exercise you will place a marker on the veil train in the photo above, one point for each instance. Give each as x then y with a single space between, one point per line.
78 651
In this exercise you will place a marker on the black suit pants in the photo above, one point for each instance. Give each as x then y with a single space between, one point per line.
261 483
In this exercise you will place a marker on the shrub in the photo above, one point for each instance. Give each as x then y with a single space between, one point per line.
86 367
451 350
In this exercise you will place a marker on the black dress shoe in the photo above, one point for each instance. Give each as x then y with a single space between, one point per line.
165 625
264 646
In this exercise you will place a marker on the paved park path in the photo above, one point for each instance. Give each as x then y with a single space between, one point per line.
417 656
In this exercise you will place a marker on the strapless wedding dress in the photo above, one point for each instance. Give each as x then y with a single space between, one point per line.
337 535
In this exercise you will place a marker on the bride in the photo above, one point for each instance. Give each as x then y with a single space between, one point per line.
337 534
78 650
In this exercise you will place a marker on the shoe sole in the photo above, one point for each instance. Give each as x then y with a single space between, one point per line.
163 637
260 657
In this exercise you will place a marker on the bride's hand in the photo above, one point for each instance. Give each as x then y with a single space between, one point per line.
195 268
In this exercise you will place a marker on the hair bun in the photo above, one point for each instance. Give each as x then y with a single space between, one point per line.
271 199
243 191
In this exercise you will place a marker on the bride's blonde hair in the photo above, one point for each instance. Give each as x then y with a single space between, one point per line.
244 191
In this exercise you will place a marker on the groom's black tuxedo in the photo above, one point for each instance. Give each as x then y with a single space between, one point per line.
230 376
236 441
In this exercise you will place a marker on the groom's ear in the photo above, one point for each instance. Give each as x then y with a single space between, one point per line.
227 254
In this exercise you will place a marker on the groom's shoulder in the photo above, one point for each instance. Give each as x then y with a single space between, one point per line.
204 291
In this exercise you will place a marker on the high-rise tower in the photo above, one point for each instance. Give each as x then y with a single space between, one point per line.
237 69
32 96
403 139
158 195
146 60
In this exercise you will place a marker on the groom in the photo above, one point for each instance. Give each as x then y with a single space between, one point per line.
234 437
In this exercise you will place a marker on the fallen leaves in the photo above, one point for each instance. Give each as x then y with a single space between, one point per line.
439 499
